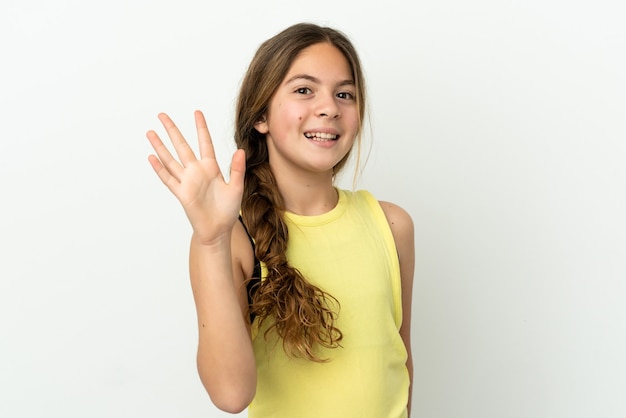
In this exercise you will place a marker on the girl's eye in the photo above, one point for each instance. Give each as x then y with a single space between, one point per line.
303 90
345 95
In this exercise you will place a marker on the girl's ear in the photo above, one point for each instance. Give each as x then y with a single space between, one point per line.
261 126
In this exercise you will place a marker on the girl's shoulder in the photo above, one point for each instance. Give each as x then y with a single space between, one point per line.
396 215
400 222
399 219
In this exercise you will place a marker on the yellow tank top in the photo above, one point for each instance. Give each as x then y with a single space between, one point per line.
350 253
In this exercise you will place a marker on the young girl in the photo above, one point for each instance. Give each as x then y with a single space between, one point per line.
302 290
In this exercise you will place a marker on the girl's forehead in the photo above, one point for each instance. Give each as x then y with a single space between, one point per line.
321 60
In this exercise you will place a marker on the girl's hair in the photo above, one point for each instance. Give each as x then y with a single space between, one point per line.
301 313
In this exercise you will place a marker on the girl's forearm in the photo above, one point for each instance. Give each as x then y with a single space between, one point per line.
225 358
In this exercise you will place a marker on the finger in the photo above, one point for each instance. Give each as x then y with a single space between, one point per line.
170 181
204 137
238 169
165 157
183 150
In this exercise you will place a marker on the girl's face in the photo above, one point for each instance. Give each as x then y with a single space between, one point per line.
312 119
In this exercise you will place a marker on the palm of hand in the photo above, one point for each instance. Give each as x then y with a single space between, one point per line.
211 204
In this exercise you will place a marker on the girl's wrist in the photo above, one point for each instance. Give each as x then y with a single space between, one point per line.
217 242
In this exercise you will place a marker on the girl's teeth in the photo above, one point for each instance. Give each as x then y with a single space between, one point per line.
319 136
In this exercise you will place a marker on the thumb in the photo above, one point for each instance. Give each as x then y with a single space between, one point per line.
237 168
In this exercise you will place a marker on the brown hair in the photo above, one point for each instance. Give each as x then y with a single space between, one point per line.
301 313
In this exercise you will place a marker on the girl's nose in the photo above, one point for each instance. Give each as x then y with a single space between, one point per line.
327 107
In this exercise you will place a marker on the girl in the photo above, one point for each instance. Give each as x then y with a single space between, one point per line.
302 290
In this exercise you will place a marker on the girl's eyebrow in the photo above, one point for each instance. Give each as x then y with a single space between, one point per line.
316 80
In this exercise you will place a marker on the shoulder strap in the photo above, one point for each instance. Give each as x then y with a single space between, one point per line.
255 280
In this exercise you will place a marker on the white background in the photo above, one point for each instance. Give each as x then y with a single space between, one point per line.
499 125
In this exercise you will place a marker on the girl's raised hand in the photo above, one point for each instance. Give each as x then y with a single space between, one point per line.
211 204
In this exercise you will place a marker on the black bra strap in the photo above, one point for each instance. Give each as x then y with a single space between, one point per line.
253 282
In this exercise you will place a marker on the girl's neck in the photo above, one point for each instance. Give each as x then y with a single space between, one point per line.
308 196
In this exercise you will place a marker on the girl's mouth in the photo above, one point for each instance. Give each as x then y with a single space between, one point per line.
320 136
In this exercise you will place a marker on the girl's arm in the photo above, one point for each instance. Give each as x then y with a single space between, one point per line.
403 232
225 359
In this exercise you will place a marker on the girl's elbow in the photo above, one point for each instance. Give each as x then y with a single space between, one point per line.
231 393
232 401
